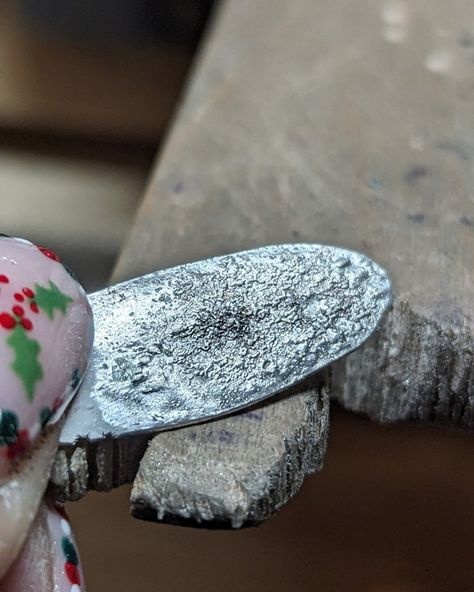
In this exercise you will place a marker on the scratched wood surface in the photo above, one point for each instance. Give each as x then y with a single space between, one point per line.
343 123
339 123
254 463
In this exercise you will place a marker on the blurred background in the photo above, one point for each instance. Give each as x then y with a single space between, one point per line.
87 92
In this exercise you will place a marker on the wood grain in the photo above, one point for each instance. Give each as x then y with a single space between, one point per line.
343 123
237 471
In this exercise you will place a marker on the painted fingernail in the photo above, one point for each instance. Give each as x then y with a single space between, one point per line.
49 559
67 570
46 333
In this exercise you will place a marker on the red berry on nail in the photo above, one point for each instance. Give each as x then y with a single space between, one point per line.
72 573
34 307
27 324
7 321
61 510
28 293
20 446
51 254
19 297
4 279
18 310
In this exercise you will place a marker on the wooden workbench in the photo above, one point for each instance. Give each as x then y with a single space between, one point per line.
334 123
339 122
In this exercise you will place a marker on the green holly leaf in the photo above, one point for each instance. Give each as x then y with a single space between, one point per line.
26 365
50 299
8 427
69 551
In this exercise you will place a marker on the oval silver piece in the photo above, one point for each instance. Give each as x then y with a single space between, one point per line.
204 339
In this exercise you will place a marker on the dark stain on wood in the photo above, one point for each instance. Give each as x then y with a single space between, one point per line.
417 218
465 221
178 187
415 173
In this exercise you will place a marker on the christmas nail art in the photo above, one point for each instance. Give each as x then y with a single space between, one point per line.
46 334
67 572
49 560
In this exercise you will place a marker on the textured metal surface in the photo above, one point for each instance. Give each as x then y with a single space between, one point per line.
204 339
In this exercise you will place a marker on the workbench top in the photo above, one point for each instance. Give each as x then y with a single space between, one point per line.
331 122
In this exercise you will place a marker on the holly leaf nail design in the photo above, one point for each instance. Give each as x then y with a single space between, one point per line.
25 365
51 298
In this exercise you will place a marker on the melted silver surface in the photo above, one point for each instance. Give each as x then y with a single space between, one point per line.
193 342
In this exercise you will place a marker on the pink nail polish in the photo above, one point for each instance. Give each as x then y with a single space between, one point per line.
67 572
46 333
49 559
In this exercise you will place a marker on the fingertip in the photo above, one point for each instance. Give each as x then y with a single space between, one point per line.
46 333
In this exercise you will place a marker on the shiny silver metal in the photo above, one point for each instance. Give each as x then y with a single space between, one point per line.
201 340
